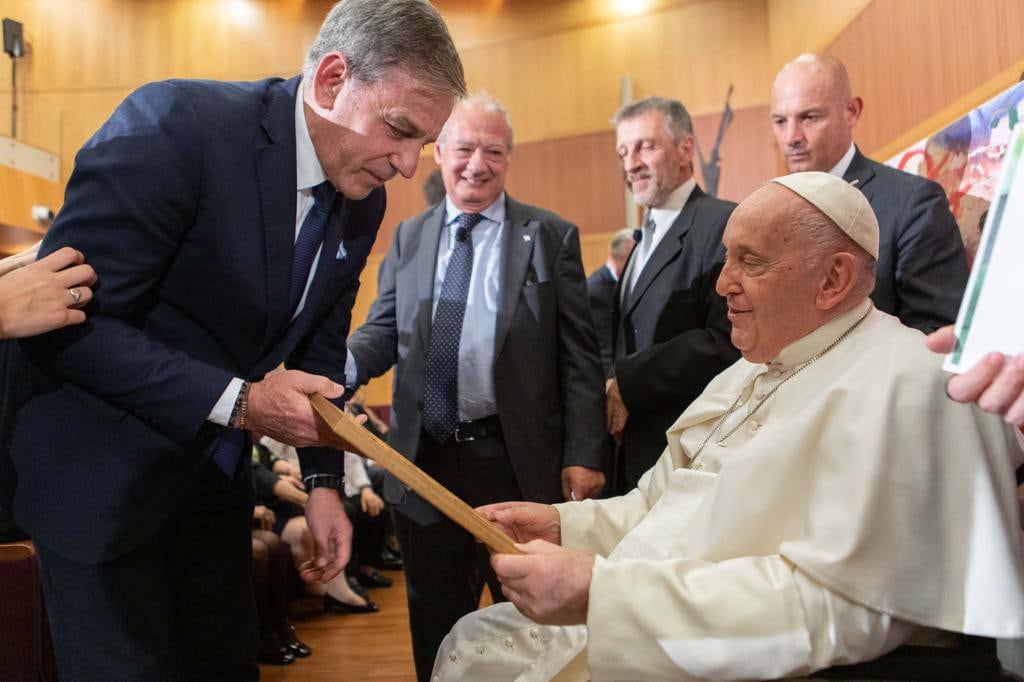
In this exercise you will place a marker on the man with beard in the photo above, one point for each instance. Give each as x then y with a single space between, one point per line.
671 335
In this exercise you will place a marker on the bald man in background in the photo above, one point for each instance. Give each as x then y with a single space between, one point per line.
922 268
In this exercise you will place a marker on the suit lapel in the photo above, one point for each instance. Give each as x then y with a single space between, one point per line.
517 239
860 173
430 244
275 167
668 249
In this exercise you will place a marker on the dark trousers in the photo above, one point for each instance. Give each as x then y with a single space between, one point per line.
445 568
177 607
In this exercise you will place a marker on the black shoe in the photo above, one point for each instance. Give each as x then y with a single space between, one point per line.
332 604
294 645
279 656
390 560
357 588
375 579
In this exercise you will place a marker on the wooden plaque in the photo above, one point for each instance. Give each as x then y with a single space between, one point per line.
351 435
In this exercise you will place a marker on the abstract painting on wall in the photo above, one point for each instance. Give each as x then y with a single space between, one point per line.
965 158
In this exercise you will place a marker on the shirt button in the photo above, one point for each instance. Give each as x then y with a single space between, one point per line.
481 649
754 426
453 658
535 633
509 642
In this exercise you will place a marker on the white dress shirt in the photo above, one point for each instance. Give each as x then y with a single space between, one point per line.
839 170
663 216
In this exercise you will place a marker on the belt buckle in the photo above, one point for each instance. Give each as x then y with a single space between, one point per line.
459 438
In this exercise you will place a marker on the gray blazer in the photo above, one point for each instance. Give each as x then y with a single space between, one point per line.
921 271
547 368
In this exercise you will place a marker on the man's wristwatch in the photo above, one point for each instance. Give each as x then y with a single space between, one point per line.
333 481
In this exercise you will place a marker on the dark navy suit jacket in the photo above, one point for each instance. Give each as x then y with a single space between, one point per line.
922 270
184 203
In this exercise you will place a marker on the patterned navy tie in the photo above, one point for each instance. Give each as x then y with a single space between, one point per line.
311 235
441 374
228 449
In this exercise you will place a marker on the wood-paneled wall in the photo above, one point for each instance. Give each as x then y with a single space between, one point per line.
909 59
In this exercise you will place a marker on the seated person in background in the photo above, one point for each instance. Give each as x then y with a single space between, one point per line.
820 503
363 488
356 405
342 593
279 645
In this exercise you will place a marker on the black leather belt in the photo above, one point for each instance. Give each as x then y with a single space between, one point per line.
488 427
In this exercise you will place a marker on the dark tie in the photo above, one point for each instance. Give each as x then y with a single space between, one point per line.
311 235
441 373
641 247
228 448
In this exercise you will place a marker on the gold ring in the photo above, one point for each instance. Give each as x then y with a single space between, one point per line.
76 295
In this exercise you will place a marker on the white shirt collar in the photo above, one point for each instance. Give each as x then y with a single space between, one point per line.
495 212
839 170
666 214
806 347
308 172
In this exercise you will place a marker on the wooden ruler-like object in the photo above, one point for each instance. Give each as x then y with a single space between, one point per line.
354 436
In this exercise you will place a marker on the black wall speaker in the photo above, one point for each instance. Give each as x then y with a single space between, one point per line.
14 44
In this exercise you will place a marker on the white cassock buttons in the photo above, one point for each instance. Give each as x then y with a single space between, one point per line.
754 426
481 650
534 633
453 658
509 642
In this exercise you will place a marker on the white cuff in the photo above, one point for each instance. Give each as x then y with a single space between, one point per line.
221 412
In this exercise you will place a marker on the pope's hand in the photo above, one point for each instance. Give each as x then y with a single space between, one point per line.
332 536
525 521
548 584
995 383
279 407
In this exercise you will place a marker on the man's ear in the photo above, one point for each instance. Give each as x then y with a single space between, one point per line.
437 152
838 281
852 111
328 79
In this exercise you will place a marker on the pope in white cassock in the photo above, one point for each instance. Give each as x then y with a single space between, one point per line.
822 502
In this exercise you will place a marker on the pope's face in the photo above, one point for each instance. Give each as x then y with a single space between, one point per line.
813 125
768 286
474 157
652 164
366 133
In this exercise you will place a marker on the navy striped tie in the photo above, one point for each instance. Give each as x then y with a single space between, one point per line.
441 372
311 235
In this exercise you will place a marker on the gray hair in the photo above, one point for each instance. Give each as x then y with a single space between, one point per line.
485 102
375 35
620 239
823 238
677 118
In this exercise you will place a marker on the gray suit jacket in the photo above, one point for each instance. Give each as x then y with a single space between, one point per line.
547 369
922 269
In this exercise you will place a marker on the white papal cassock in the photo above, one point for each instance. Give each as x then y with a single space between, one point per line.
856 506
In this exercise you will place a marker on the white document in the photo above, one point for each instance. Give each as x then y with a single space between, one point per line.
991 316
